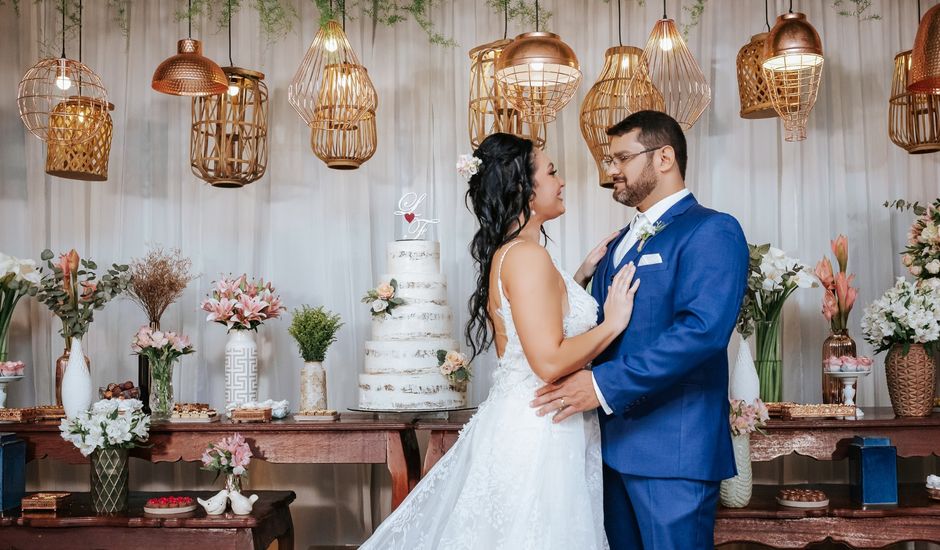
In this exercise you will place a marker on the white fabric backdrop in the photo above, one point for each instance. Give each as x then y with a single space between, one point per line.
320 235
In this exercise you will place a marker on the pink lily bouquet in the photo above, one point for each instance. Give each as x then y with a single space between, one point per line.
240 304
230 456
839 294
454 366
747 418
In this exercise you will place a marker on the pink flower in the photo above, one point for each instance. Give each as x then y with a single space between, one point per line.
865 362
159 339
226 288
251 308
220 311
840 247
845 292
830 305
385 291
848 360
824 273
834 363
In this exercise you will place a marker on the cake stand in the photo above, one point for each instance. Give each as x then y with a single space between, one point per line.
848 380
4 380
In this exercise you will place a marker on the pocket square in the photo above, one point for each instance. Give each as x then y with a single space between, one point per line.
649 259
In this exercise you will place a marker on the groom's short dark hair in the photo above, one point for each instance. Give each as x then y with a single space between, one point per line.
656 130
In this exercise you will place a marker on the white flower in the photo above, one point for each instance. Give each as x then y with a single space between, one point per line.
929 234
468 166
238 470
379 306
933 267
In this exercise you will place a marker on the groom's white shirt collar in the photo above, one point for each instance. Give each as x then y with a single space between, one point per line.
648 218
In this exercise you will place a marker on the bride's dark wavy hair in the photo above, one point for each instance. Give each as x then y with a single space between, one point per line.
499 195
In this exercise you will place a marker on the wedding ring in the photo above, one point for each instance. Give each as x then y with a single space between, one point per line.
562 402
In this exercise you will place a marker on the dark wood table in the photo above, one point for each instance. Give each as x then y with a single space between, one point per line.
916 517
77 527
353 439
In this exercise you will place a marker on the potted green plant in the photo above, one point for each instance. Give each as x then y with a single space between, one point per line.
315 330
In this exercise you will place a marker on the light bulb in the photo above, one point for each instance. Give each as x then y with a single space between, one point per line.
62 80
665 44
233 90
538 66
331 44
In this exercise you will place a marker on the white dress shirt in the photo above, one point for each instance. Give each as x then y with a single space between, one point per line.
640 221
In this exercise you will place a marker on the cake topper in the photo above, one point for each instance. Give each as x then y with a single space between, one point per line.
407 208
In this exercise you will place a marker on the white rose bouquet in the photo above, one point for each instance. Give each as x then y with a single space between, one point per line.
108 424
906 314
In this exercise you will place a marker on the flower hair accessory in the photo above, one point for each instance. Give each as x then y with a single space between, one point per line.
468 166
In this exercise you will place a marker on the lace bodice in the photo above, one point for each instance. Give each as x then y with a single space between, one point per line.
514 372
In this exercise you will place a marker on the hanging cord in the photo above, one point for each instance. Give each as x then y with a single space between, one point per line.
767 17
536 15
664 10
79 31
63 29
506 19
619 25
230 62
918 11
190 18
791 6
343 7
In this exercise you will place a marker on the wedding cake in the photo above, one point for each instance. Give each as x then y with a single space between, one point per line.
402 369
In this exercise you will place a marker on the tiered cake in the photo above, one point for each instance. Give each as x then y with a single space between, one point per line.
401 365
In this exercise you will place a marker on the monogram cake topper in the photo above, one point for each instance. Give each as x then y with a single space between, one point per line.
408 209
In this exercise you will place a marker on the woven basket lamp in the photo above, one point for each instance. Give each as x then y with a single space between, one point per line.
87 160
669 65
753 91
229 138
925 57
331 89
490 111
611 99
538 74
48 85
793 63
913 119
345 148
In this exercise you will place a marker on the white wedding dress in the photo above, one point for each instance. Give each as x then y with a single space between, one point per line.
513 480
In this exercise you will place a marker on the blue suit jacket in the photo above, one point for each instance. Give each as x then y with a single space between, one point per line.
666 376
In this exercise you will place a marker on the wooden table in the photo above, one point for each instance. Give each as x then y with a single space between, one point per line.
78 527
763 521
353 439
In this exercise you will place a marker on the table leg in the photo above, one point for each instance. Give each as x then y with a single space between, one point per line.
404 463
435 451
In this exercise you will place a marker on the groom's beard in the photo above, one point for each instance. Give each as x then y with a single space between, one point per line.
634 193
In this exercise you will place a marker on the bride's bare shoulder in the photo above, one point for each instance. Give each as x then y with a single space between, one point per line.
525 262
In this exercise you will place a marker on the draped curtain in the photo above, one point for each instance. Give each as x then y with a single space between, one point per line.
320 235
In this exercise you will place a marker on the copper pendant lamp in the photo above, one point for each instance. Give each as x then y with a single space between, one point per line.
672 69
538 73
793 63
55 96
189 73
925 56
229 133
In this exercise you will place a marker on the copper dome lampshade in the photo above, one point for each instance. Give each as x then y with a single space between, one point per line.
925 56
793 63
189 73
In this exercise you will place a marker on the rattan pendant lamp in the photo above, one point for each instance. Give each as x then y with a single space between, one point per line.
925 56
60 100
793 64
489 109
753 91
85 160
189 73
538 74
611 99
229 137
913 118
672 69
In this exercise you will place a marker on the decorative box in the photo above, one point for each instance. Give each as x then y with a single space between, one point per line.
873 471
12 470
46 502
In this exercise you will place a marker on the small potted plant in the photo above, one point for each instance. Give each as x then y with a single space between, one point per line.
315 330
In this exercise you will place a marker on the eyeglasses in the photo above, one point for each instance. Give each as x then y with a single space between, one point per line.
622 159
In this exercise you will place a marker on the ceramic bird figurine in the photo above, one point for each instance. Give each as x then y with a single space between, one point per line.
215 505
241 504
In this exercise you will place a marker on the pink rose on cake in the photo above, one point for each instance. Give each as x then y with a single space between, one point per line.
454 366
382 299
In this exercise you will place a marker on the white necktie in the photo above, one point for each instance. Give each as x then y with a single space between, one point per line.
640 222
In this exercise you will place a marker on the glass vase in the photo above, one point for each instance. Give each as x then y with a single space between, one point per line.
233 483
109 480
838 343
161 389
769 360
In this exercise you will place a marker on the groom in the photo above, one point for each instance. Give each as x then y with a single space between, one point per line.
663 384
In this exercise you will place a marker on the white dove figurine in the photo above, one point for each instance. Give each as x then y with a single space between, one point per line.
215 505
241 504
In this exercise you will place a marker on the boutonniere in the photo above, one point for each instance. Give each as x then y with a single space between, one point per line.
649 232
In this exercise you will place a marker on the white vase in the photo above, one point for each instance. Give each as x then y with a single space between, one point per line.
76 382
736 492
312 386
241 367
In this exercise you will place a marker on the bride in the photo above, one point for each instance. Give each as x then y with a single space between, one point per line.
515 480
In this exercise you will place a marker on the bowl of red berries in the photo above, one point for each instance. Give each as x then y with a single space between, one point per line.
170 505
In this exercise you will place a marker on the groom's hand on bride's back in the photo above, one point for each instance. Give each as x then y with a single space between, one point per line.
570 395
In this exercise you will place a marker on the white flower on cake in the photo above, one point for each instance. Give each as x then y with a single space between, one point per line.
468 166
453 365
382 299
